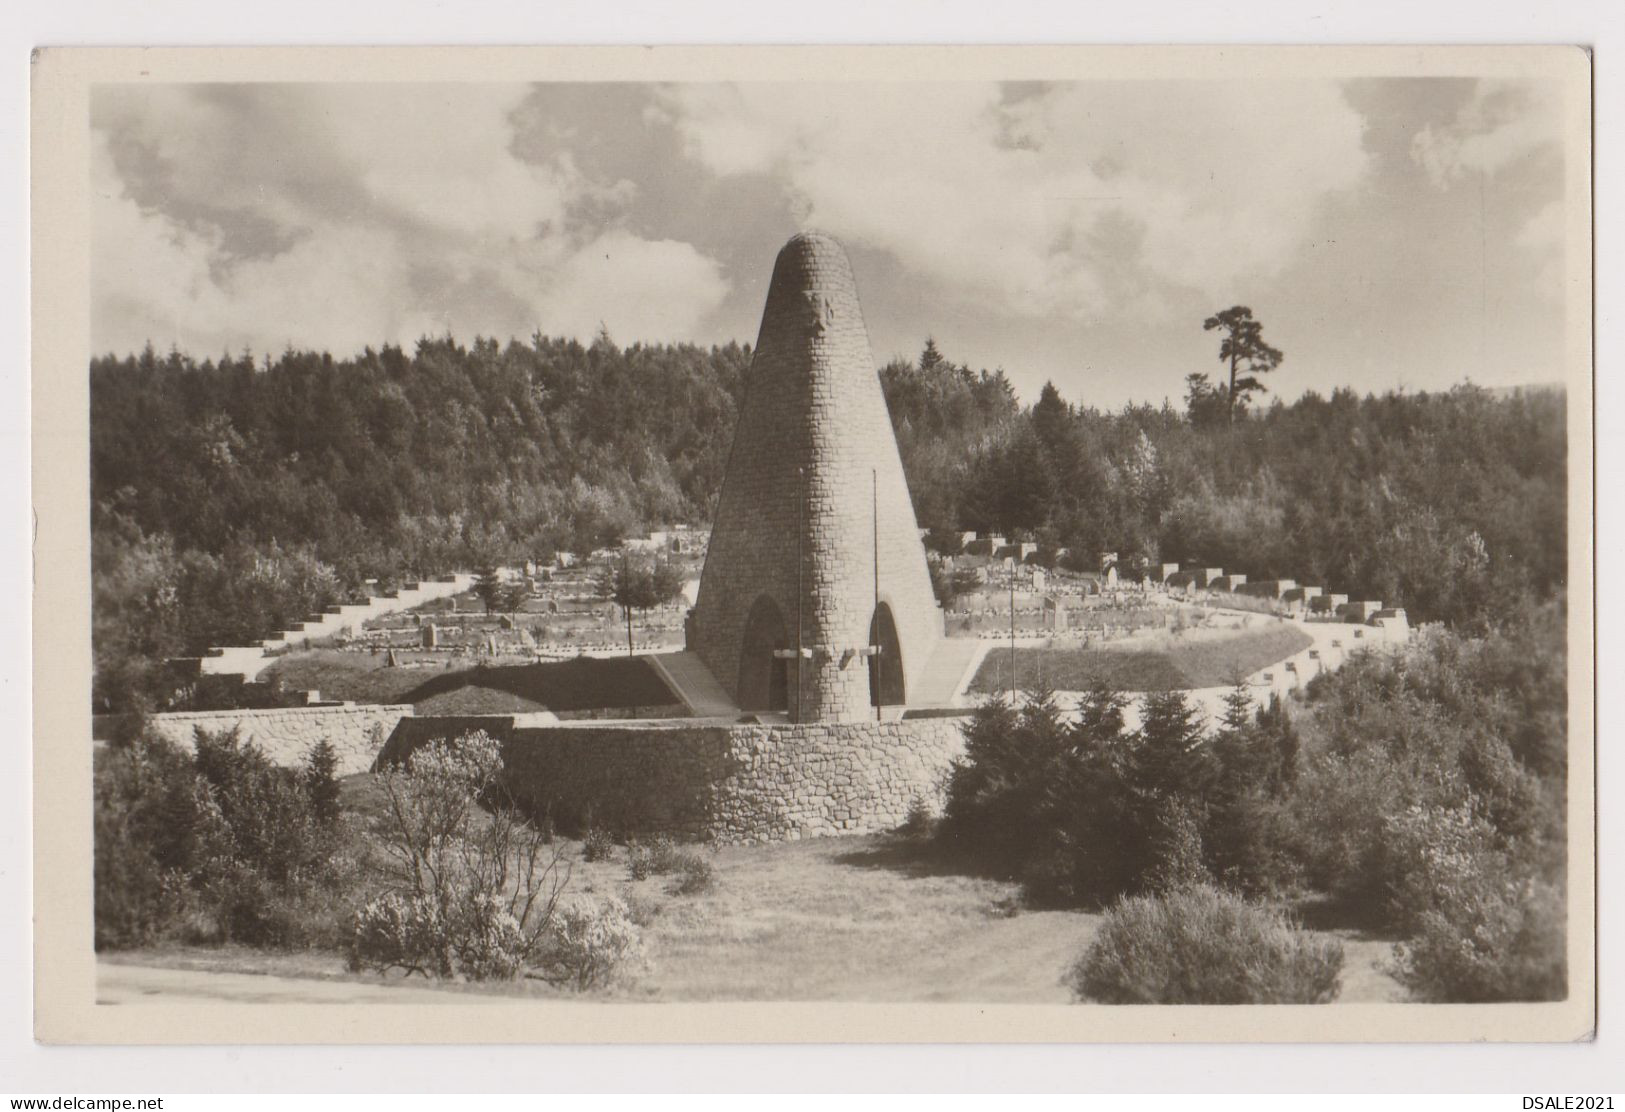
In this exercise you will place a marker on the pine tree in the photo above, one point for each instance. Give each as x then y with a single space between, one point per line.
321 781
1168 757
1246 352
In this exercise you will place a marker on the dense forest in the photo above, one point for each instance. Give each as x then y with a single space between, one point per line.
232 496
1453 505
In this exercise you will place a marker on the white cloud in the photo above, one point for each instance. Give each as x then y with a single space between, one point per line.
1545 229
1503 122
639 289
342 216
1544 236
1078 199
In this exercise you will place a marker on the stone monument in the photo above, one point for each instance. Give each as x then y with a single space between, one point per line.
816 598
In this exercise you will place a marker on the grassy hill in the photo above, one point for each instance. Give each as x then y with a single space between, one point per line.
1191 664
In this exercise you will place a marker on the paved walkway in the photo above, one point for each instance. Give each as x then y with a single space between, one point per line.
145 984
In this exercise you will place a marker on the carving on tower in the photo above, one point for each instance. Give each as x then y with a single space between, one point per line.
814 522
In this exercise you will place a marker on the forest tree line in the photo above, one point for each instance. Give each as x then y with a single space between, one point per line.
232 496
1451 504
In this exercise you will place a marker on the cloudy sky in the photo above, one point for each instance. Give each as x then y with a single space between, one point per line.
1388 232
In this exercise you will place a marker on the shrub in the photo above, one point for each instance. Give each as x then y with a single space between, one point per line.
1337 814
1428 856
1484 928
257 814
664 855
694 875
920 822
597 845
1453 724
474 892
660 857
1493 940
1201 945
217 845
478 938
1176 848
593 943
244 905
144 815
1433 793
397 931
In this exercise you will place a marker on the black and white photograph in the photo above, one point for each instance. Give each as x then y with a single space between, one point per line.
568 534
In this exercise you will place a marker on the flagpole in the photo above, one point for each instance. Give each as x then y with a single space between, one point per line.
874 623
801 530
1012 633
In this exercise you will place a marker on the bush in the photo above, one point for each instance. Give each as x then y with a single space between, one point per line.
1484 930
1176 847
397 931
217 845
639 861
1429 855
593 944
920 822
1337 814
694 875
659 858
245 906
478 938
1201 945
257 813
1496 940
597 845
145 808
474 892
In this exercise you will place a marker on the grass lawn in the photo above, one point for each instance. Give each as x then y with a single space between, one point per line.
1210 662
855 919
866 918
585 683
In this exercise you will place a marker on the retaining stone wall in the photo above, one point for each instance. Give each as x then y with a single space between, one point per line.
287 735
760 783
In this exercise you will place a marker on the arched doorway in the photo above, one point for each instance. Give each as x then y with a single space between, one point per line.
763 679
885 668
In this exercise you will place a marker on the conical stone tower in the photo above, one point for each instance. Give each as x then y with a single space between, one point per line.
816 598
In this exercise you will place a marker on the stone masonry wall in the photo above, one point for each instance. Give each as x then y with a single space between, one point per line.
814 428
287 735
734 783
